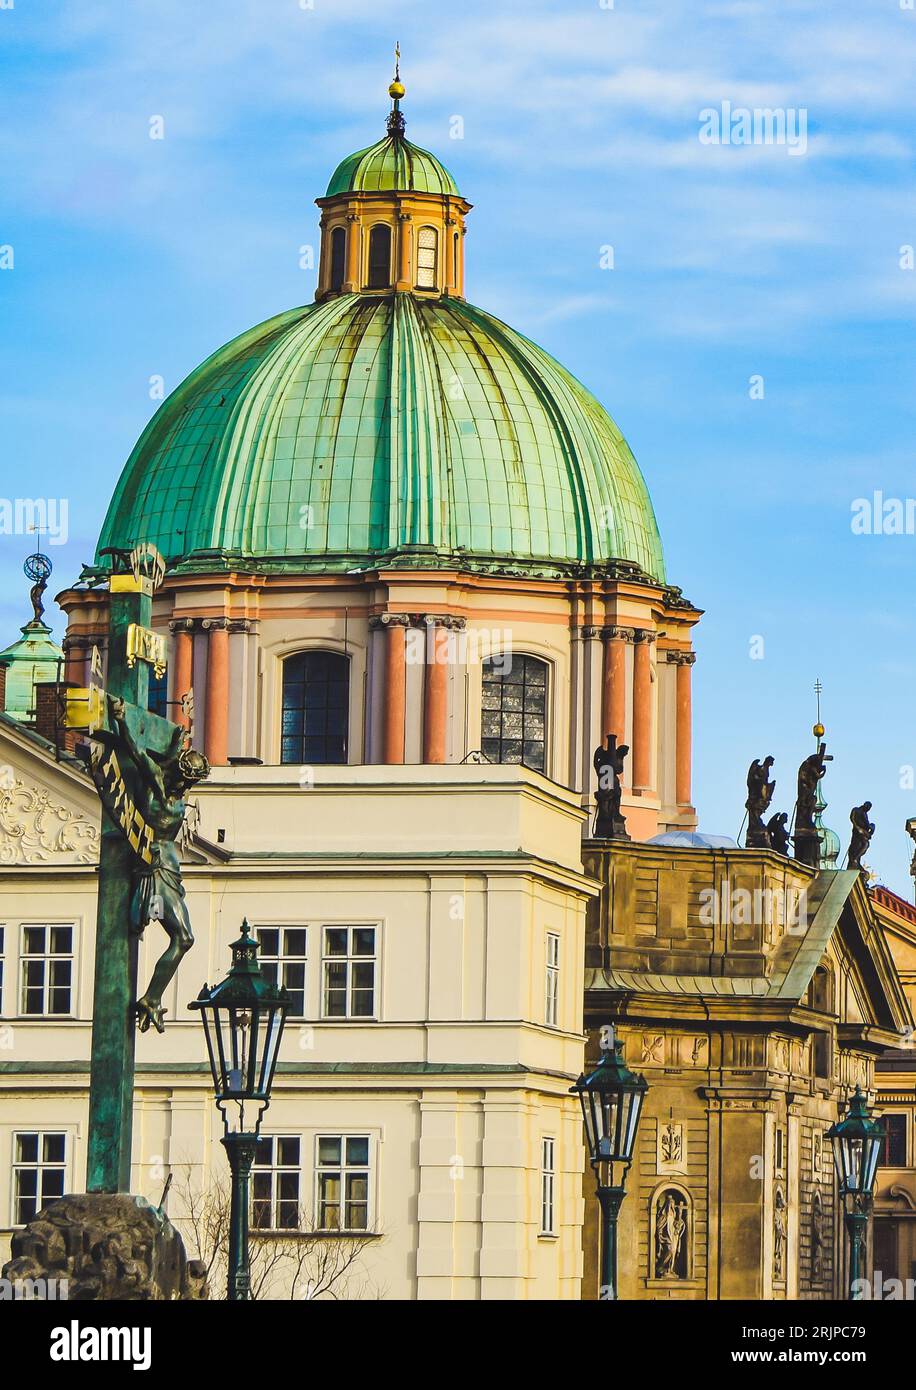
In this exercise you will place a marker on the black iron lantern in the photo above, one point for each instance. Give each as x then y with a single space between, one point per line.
243 1021
857 1141
611 1097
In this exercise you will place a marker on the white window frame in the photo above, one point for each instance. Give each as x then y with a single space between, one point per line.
548 1185
283 959
552 980
349 960
276 1169
39 1166
344 1168
48 957
432 271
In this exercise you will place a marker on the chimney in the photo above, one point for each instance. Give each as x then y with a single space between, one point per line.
49 714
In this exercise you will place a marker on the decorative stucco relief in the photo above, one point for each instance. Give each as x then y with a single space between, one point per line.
34 829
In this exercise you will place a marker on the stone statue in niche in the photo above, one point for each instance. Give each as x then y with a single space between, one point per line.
780 1235
817 1238
670 1235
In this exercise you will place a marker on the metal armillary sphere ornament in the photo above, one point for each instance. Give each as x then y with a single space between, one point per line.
857 1141
38 568
243 1021
611 1097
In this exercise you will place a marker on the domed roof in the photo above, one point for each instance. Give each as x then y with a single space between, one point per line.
392 164
32 657
367 428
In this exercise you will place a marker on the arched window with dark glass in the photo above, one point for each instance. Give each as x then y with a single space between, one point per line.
316 708
514 716
380 257
338 256
157 698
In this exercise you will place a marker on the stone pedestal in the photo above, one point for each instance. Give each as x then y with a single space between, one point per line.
106 1246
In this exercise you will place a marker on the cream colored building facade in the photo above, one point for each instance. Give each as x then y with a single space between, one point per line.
466 876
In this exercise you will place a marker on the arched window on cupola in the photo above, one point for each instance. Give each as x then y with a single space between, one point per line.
427 256
338 257
380 257
514 713
316 708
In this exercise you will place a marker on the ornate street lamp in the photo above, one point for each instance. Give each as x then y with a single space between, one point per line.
243 1021
611 1097
857 1144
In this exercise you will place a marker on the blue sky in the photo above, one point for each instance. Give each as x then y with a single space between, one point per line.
135 258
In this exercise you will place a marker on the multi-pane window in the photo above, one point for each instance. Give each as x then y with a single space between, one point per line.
380 257
283 958
46 969
316 708
427 240
552 980
275 1179
39 1171
893 1148
548 1185
342 1182
514 717
338 256
348 972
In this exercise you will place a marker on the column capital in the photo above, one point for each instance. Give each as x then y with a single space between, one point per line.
618 634
81 642
680 658
591 632
352 216
182 624
383 620
214 624
452 621
643 634
243 624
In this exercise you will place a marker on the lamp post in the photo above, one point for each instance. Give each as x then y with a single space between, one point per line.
611 1097
856 1148
243 1021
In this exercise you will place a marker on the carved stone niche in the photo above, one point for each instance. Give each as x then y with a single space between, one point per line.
671 1235
106 1246
780 1236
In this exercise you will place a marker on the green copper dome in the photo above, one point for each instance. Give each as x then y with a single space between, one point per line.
33 657
391 165
385 429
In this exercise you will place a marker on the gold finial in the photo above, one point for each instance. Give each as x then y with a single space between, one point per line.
396 90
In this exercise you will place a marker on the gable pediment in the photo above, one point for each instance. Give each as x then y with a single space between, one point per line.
49 812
